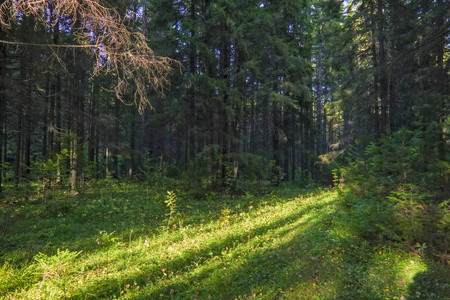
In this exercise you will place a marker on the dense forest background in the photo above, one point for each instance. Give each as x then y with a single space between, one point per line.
225 149
260 92
264 89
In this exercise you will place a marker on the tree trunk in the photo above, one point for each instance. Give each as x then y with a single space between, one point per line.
92 124
26 144
77 129
73 162
384 81
2 106
276 147
51 121
240 78
192 94
225 131
376 104
441 81
45 127
107 162
141 147
209 113
18 158
115 153
131 163
58 124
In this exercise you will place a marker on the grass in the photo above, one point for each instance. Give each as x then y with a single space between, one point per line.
131 240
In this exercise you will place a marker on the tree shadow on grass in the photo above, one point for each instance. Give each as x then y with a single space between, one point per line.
308 259
317 260
434 283
210 270
289 257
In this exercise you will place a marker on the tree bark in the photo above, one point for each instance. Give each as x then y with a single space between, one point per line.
115 152
192 93
441 81
131 163
18 158
2 106
384 81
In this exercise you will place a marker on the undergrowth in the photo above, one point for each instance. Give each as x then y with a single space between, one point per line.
140 240
402 192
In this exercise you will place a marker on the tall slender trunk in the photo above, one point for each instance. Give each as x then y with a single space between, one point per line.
384 81
192 122
252 139
27 144
21 120
276 129
320 101
73 137
2 135
73 161
28 117
92 124
209 112
77 129
2 106
58 124
18 158
376 99
115 152
51 120
238 103
324 131
303 163
131 163
3 138
141 147
225 131
442 78
107 161
45 126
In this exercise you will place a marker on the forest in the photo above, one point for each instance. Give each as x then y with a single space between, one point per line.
199 149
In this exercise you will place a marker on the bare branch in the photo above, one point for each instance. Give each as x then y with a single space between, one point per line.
99 31
46 45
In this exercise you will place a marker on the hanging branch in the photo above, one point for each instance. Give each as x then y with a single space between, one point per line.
101 33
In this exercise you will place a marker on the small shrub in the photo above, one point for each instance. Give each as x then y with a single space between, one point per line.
400 191
55 270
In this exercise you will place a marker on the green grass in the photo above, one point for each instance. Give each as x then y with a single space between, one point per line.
125 240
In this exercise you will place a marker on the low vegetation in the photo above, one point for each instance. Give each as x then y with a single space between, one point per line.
149 240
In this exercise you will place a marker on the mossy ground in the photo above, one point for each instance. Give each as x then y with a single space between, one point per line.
124 240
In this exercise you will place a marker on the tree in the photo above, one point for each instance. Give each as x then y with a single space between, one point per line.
99 31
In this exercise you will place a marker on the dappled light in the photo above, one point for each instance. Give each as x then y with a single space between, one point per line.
283 149
291 245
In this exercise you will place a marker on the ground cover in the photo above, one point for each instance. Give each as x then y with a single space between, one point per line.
136 240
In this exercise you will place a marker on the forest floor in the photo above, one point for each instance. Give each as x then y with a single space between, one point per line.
135 240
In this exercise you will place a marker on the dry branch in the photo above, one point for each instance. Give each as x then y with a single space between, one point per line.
100 31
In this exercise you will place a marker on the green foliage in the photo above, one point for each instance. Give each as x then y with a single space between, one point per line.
290 243
55 270
397 185
44 170
276 171
173 216
106 238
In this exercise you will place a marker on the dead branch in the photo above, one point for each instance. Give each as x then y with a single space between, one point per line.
99 31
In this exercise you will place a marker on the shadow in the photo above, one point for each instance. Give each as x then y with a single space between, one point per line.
217 270
315 261
434 283
312 252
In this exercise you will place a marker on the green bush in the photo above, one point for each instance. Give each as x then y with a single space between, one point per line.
397 185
